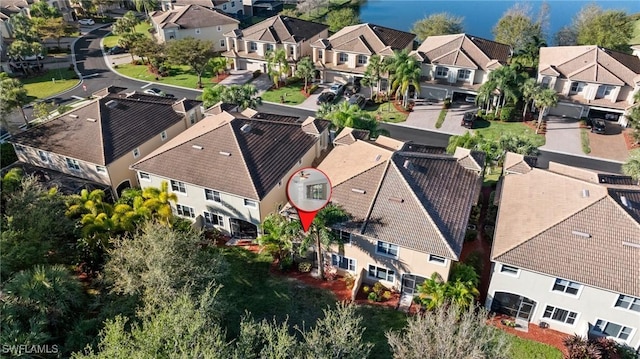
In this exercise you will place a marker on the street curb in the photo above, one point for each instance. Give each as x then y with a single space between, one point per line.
298 107
580 155
422 129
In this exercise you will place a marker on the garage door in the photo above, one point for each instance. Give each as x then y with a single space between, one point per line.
431 93
253 66
336 77
564 110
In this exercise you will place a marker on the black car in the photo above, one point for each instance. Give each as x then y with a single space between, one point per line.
598 125
116 50
352 89
326 97
467 119
358 100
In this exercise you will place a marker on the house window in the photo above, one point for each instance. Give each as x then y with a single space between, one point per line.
509 270
192 118
566 286
224 6
250 203
163 135
212 195
442 71
381 273
627 302
343 236
219 28
320 54
253 46
291 50
197 31
213 219
342 57
437 259
136 153
222 43
464 74
101 169
317 191
73 164
612 329
145 176
362 60
546 81
177 186
343 262
44 157
604 91
269 47
560 315
577 87
185 211
387 249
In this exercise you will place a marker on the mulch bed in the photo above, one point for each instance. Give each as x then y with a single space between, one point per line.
546 336
219 78
532 125
399 107
304 93
628 139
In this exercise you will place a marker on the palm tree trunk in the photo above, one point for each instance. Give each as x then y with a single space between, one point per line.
524 112
24 116
319 256
540 119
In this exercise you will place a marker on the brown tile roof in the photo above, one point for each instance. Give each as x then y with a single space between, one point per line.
367 39
544 216
191 17
101 131
590 64
356 194
516 163
280 29
464 51
233 153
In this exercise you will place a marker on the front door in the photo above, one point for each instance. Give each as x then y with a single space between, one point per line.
410 283
525 309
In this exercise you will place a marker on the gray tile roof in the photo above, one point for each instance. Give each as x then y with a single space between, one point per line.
258 158
100 133
192 16
281 29
463 50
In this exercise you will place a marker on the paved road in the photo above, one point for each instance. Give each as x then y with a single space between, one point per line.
91 63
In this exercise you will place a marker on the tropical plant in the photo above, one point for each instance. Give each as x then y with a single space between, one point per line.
12 95
373 73
279 232
146 5
125 24
543 99
43 109
243 96
218 65
405 71
305 70
42 9
192 52
528 89
158 201
277 65
432 293
632 166
441 23
346 115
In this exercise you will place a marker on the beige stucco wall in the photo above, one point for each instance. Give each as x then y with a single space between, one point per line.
305 47
363 250
231 7
206 33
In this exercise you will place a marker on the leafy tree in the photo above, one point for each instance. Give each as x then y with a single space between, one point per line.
159 263
125 24
441 23
529 55
192 52
277 65
146 47
449 332
320 233
634 118
265 340
44 10
55 29
610 29
243 96
44 109
305 70
146 5
346 115
516 27
218 65
632 166
405 71
130 40
337 19
278 235
566 36
544 99
506 81
23 29
24 49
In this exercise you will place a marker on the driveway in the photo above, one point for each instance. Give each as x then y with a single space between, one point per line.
310 102
424 117
563 135
610 145
237 78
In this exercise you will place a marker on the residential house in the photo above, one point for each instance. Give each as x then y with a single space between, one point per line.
65 8
101 139
7 10
264 8
591 81
409 206
231 169
231 7
193 21
458 63
344 56
247 47
566 251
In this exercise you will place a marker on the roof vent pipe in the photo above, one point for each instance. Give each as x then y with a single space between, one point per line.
246 128
625 201
585 193
407 164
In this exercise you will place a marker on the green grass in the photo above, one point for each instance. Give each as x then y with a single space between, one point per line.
441 117
178 75
386 112
112 40
529 349
42 86
636 34
584 141
293 93
491 176
495 129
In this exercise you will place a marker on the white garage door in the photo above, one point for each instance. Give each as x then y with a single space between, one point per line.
336 77
431 93
565 110
253 66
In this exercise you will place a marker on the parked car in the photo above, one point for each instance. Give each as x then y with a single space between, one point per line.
29 58
337 89
326 97
470 99
358 100
157 92
86 22
352 89
467 119
116 50
598 125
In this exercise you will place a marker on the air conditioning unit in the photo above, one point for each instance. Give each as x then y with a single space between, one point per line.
543 325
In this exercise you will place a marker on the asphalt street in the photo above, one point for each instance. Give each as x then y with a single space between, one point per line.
97 75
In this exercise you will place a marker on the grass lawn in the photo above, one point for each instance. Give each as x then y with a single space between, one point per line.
179 75
491 176
387 112
42 86
112 40
293 93
528 349
584 140
495 129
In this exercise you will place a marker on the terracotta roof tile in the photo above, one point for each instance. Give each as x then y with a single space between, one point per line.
192 17
464 50
283 29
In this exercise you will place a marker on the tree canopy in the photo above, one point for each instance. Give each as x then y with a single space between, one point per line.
340 18
192 52
517 27
632 166
441 23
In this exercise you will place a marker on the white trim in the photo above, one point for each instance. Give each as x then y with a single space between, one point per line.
515 275
178 182
385 268
148 179
244 202
599 333
387 254
576 296
436 261
627 310
355 262
544 309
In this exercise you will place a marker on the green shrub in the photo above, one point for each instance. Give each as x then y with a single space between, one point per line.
64 108
378 288
304 267
366 289
386 295
441 117
490 116
447 103
474 218
312 89
372 297
292 80
7 154
474 259
471 235
507 113
349 281
285 263
257 73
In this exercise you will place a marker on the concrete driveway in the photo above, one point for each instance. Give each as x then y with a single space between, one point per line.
424 117
563 135
610 145
237 78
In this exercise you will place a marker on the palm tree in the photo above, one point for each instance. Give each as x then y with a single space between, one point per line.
432 292
405 71
506 80
218 65
147 5
544 98
485 94
87 202
528 90
158 201
461 293
373 74
278 234
305 70
345 115
632 166
277 65
320 232
243 96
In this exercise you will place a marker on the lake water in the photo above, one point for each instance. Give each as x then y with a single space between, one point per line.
479 16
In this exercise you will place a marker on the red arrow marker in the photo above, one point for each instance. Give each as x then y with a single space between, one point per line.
308 191
306 218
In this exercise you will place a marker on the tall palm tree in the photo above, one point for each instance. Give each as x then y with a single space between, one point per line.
320 232
505 80
528 90
405 71
375 69
277 65
146 5
544 98
305 70
158 201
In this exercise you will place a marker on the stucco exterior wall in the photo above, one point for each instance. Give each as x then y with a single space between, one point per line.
206 33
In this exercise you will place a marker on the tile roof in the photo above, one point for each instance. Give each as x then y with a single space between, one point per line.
281 29
516 163
590 64
101 131
464 51
367 39
545 216
192 16
233 153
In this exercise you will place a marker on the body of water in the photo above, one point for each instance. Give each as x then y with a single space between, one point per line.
479 16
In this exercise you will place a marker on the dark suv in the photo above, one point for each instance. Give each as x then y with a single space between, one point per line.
467 119
598 125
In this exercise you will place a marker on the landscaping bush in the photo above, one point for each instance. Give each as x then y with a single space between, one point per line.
386 295
475 260
372 297
312 89
447 103
349 281
7 154
285 263
292 80
63 108
507 114
488 236
366 289
304 267
490 116
474 218
257 73
471 235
